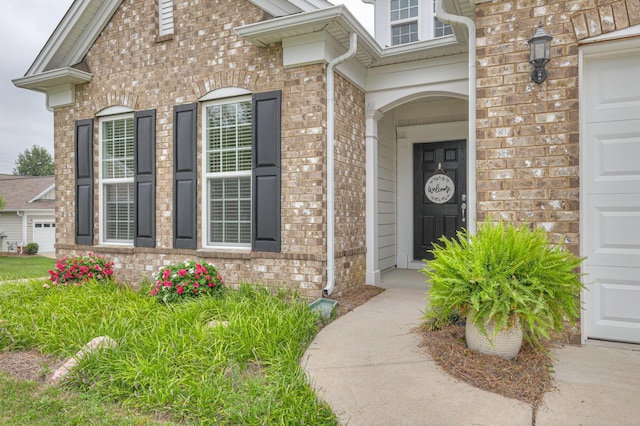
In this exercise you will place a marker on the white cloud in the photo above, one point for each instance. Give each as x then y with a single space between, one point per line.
25 26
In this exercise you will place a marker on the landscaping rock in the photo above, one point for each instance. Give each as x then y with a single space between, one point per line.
216 323
100 342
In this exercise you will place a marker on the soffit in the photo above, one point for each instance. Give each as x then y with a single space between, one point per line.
74 35
278 8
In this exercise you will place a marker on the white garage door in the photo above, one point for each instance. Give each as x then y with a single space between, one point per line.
610 163
44 233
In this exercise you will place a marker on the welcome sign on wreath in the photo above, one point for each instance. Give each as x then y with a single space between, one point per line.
439 188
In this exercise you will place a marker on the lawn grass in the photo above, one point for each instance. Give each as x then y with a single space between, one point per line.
168 359
30 403
20 267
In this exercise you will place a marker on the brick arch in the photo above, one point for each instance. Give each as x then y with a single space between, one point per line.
244 79
607 18
117 98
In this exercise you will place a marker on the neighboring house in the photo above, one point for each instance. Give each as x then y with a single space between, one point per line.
227 130
29 213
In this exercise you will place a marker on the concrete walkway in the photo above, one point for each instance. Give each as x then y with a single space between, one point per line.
368 366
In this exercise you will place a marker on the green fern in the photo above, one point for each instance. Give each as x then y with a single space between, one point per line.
503 272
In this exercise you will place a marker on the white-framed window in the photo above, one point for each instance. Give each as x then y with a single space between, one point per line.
116 179
440 29
414 20
227 132
404 21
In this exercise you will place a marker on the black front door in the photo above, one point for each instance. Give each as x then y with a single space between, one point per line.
439 195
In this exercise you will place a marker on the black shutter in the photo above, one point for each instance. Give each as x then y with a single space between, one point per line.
265 234
185 177
145 178
84 181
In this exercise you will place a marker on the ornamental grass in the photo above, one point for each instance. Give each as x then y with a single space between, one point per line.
232 359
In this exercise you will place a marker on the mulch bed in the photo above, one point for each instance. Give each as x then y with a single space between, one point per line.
526 379
27 365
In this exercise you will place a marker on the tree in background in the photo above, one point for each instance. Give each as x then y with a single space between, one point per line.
34 162
2 202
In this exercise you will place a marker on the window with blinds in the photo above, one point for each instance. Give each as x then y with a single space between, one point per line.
165 17
228 158
117 173
117 149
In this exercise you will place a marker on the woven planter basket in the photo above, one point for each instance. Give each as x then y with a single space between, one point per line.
506 343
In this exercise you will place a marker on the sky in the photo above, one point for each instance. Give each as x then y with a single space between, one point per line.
25 27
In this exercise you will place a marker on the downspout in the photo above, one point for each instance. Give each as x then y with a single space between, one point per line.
448 18
24 230
353 46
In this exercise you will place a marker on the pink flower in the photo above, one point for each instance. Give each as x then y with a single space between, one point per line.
182 272
154 292
179 290
168 284
166 274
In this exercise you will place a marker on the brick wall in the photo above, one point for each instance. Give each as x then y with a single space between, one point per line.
350 183
528 134
132 67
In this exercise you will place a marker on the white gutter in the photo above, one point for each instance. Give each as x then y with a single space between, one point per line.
353 46
24 227
471 151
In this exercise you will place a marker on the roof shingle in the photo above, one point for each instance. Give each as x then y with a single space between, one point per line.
18 191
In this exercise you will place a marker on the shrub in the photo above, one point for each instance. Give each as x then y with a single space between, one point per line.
502 272
77 269
185 280
31 249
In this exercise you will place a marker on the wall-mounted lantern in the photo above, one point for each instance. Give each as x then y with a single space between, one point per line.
540 53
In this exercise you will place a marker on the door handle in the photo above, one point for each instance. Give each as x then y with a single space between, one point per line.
463 207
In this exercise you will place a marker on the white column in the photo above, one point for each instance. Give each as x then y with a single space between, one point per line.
371 135
404 209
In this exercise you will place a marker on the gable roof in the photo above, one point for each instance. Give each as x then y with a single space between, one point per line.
25 192
57 63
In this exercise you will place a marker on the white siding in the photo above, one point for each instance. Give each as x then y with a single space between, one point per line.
49 195
11 225
386 194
